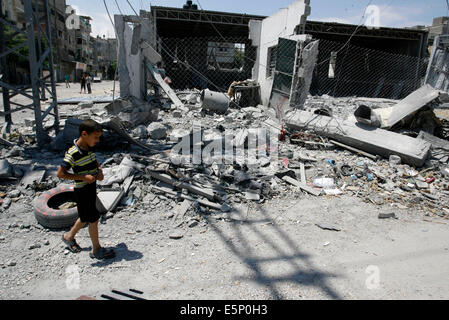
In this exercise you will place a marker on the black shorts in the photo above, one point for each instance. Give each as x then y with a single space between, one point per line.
86 198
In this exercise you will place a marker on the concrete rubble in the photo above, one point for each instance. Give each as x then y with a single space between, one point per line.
375 149
180 158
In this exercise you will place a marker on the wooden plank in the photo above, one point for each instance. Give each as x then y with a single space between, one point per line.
301 186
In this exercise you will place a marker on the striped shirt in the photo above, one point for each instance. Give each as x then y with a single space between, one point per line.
82 162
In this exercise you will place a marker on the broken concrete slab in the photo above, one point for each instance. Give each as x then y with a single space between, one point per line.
108 199
71 130
169 91
6 169
436 142
157 131
182 210
372 140
32 176
411 104
251 196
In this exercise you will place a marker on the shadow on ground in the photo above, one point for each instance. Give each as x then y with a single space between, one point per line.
286 250
121 253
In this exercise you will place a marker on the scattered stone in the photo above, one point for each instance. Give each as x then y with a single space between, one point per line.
157 131
176 235
11 263
6 203
6 169
327 227
387 216
34 246
192 223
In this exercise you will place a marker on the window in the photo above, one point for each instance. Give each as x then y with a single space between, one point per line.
225 55
271 60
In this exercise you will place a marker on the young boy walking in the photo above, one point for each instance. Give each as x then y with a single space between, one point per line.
86 171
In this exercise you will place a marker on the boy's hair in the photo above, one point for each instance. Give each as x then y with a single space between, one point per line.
90 126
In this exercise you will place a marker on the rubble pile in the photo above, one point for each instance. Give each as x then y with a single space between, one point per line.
140 168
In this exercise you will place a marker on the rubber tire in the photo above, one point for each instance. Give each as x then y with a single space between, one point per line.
53 218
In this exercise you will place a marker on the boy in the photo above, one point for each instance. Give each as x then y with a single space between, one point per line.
81 159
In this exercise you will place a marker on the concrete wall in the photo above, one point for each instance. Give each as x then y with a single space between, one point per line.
265 34
437 72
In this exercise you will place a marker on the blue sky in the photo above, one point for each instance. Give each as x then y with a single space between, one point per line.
393 13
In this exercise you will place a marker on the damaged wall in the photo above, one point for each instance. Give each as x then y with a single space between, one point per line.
438 70
265 35
131 34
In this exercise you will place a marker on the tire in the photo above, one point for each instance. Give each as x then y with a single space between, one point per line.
52 218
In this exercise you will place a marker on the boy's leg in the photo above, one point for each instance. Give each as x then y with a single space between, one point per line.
93 232
72 233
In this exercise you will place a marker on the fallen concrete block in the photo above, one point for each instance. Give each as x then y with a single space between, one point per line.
6 169
32 176
157 131
372 140
411 104
108 199
436 142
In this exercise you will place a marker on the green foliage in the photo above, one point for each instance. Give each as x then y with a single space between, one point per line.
19 39
239 58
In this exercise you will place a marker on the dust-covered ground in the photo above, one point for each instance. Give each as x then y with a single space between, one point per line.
274 251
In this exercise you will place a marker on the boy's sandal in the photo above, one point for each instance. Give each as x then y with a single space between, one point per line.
72 245
102 254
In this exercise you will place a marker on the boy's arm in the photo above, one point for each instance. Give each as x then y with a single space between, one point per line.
63 174
100 176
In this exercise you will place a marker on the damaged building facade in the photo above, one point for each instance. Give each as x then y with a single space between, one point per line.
225 48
